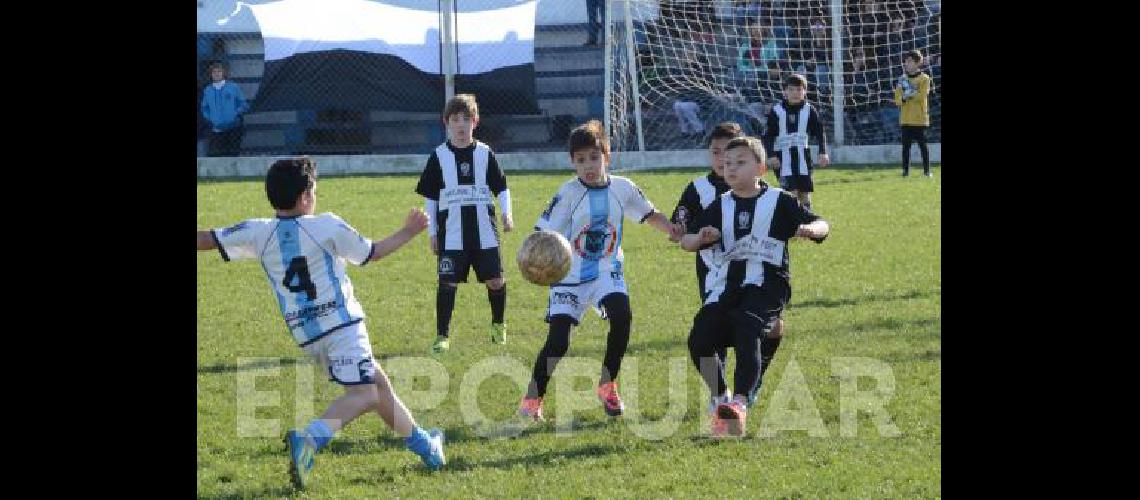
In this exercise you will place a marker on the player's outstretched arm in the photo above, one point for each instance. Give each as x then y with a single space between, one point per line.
816 231
414 224
659 221
694 242
206 241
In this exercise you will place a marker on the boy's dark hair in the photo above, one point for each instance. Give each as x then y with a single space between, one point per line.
461 103
726 130
753 144
589 135
287 179
217 65
913 55
795 80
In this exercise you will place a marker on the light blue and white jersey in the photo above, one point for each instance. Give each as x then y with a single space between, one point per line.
303 258
591 220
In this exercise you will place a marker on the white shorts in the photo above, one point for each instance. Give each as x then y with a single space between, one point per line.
346 355
574 299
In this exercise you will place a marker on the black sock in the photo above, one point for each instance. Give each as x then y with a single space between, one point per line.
768 348
925 156
557 342
748 363
620 317
906 156
444 305
704 342
498 300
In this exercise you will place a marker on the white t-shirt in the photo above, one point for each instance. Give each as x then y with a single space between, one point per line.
304 258
591 220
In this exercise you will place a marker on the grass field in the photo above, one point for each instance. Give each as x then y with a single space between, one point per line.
871 292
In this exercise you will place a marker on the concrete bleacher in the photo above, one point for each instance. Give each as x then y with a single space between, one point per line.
569 81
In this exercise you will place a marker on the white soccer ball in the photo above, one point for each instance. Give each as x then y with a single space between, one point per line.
544 258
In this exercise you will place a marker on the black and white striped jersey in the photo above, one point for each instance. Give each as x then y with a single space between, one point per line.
754 234
786 136
464 182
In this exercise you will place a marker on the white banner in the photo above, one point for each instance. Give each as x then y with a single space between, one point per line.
464 195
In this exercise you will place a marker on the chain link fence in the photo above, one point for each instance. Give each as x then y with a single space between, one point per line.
382 93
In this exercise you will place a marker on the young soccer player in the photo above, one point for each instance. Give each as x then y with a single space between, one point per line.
699 193
790 124
304 258
747 287
697 196
912 93
588 211
459 184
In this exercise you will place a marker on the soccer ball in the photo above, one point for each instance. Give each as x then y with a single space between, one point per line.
544 258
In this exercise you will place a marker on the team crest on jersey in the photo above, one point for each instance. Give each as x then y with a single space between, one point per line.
595 241
742 219
234 228
682 214
446 266
465 168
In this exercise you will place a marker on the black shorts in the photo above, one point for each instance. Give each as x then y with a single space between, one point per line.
751 309
913 133
454 265
795 182
702 274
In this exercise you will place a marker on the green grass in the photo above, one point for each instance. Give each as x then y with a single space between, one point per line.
872 291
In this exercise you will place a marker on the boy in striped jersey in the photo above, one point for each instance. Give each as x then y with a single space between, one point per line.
748 287
790 124
698 195
459 184
589 211
704 189
304 257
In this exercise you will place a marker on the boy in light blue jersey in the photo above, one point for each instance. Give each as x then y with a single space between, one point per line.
589 211
304 258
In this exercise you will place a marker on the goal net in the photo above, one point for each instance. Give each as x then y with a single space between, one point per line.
688 65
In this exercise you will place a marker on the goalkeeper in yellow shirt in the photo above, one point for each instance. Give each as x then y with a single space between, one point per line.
911 96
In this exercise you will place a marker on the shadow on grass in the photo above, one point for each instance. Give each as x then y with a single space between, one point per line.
863 299
890 324
284 491
545 459
262 363
926 355
635 346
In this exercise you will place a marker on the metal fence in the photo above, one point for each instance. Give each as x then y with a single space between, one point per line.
309 114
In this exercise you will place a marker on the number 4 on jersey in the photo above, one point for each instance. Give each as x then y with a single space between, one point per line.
299 271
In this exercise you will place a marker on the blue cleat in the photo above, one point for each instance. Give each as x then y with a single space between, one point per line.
301 455
430 450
